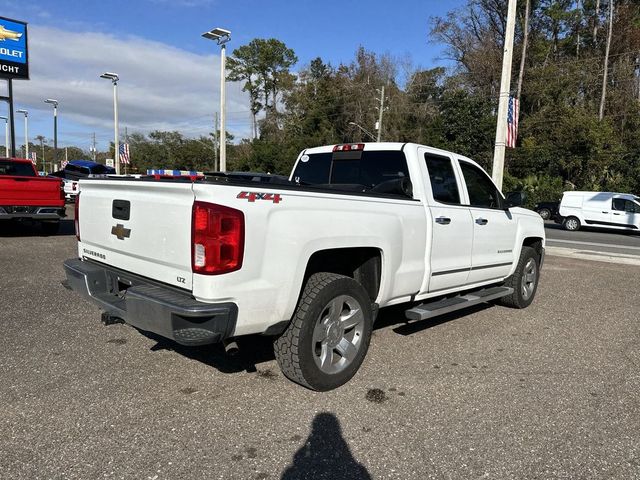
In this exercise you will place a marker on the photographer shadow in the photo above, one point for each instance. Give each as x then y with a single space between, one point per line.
325 454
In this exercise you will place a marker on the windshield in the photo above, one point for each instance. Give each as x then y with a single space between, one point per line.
365 169
17 169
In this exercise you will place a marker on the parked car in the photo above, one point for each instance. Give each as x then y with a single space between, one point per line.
24 195
547 210
359 227
77 169
71 187
619 211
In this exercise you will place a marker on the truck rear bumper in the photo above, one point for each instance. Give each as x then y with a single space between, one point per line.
151 307
34 213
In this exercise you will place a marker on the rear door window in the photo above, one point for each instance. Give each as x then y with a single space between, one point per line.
618 204
443 179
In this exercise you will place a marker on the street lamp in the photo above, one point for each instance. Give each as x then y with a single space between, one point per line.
26 131
53 102
221 36
116 142
6 136
373 137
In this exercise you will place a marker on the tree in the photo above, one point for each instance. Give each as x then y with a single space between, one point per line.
264 66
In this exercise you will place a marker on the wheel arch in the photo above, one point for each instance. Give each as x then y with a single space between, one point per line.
363 264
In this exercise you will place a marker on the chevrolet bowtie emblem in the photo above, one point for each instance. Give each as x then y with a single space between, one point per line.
120 232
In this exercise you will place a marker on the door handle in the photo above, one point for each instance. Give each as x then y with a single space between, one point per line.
443 220
617 213
482 221
605 212
21 179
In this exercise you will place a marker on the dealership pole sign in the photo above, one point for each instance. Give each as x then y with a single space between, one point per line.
14 59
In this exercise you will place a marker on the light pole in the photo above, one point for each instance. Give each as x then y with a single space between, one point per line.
26 131
221 36
53 102
6 136
116 142
373 137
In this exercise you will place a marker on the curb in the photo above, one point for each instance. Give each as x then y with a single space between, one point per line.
619 258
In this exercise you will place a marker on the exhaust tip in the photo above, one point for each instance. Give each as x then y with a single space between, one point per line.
231 347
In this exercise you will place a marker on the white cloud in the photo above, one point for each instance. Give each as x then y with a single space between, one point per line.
161 86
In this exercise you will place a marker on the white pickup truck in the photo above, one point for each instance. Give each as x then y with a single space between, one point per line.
357 227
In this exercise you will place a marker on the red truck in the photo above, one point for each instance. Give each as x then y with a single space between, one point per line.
26 196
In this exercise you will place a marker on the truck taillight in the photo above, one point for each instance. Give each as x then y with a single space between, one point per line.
348 147
217 235
76 216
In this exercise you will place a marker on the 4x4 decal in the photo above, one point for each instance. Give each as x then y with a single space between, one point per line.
253 196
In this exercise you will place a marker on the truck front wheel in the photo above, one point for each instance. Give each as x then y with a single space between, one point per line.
329 334
524 280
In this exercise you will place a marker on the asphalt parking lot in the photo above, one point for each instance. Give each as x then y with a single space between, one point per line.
546 392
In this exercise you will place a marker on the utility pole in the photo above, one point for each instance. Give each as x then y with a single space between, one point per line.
44 165
596 21
126 142
503 102
93 147
606 63
380 114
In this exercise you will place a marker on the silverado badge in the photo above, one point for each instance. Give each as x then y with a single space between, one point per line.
120 232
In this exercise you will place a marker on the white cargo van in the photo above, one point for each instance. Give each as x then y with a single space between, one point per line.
601 210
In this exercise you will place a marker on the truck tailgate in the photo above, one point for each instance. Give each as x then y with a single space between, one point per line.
30 191
142 227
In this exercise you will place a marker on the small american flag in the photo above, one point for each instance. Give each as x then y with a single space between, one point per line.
512 122
34 157
124 154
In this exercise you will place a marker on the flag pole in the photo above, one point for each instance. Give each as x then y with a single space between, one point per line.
503 103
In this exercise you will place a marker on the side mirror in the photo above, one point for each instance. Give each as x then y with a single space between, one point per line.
515 199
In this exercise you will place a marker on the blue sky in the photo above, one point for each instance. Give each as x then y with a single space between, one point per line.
169 76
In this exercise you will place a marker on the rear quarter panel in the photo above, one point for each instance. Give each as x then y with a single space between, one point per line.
281 237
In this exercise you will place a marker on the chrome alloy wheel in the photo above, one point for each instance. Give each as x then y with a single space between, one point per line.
529 278
337 336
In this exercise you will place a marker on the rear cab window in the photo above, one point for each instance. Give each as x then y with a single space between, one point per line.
16 169
442 177
359 171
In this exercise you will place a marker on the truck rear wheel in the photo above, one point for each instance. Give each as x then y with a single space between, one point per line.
329 334
524 280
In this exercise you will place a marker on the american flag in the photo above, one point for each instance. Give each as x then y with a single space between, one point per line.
512 122
34 157
124 154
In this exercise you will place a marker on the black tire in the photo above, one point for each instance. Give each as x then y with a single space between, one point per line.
571 223
545 213
518 299
297 352
50 228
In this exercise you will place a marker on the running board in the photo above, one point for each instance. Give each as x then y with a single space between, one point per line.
446 305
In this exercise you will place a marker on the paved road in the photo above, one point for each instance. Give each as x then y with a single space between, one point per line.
612 241
546 392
